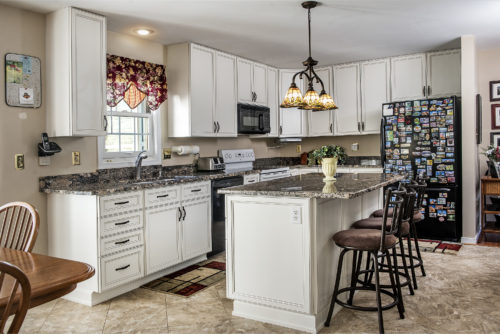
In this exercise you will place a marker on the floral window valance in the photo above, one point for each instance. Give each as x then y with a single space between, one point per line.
133 81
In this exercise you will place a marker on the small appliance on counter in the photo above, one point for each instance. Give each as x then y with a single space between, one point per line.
253 119
210 164
240 160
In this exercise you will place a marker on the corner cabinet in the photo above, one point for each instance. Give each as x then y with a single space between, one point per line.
444 73
76 73
202 92
293 121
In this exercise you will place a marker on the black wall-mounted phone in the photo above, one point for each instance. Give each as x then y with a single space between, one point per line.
47 148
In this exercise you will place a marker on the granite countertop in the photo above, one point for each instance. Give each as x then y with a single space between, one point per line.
312 186
338 166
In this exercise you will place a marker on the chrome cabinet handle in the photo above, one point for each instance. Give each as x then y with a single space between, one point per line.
195 190
429 91
215 127
331 127
161 196
359 127
121 203
423 91
184 209
105 123
281 130
218 126
122 223
363 126
180 213
122 242
123 268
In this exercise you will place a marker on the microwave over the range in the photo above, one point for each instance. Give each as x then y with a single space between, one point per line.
253 119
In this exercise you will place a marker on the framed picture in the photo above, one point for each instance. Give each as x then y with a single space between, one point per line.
495 116
479 108
495 90
495 139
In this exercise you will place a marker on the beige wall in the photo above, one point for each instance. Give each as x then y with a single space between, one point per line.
488 70
20 128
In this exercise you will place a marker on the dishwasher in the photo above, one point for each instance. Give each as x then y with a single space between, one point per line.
219 212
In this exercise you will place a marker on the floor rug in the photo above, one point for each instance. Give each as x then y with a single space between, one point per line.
190 280
437 246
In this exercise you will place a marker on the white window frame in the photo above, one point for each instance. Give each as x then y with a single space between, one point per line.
121 159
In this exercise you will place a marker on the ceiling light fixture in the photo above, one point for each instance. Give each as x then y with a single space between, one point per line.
144 31
311 101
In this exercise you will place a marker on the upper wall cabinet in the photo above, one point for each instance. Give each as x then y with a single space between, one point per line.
272 102
443 73
375 90
408 77
293 121
76 73
320 123
347 98
202 92
252 82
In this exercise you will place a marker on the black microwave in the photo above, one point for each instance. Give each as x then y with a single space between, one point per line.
253 119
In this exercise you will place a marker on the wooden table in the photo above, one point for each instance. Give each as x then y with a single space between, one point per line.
50 277
489 187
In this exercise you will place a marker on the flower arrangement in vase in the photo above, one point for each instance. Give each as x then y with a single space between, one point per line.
329 156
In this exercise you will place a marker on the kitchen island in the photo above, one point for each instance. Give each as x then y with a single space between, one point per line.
281 262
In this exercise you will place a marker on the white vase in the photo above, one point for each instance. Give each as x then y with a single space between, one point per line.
329 167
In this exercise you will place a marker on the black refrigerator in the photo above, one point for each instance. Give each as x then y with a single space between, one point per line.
423 137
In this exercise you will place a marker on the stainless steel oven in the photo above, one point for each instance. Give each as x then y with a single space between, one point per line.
253 119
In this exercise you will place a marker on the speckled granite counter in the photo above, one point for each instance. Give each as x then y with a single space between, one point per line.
312 186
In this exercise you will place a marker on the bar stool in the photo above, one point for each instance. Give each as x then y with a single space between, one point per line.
403 232
373 241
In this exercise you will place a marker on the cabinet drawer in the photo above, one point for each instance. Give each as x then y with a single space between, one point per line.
118 203
161 196
119 224
193 190
121 242
251 178
122 268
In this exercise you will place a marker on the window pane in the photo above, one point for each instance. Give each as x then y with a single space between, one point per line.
127 125
142 125
127 143
112 143
115 124
109 124
142 143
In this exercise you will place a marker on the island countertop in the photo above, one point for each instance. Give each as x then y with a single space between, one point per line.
312 186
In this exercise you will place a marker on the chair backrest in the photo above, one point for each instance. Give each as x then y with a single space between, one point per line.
19 226
13 279
395 199
419 186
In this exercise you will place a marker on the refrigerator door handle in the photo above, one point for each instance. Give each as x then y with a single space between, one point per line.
382 140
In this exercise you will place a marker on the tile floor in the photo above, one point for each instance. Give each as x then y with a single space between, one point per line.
461 294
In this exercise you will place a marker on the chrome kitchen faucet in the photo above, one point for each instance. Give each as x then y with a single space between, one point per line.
138 164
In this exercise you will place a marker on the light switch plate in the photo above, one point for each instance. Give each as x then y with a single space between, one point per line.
355 147
19 161
167 153
298 149
75 158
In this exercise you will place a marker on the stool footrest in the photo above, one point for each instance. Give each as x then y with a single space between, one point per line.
366 308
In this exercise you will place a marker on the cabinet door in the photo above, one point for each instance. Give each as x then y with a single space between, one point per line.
162 238
225 94
244 81
375 90
408 77
292 120
320 122
88 73
202 91
346 96
196 229
260 84
273 100
443 73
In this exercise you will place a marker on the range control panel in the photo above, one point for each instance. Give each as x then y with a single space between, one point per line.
242 155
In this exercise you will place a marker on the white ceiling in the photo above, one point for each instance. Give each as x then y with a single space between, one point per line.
275 32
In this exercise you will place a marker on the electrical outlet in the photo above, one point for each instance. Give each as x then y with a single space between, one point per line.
298 149
44 161
355 147
167 153
75 158
19 161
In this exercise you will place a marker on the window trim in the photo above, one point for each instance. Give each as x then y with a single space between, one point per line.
128 159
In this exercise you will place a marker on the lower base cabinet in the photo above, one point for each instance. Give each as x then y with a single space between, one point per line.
195 230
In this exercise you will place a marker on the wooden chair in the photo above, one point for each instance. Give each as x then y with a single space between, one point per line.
19 226
17 304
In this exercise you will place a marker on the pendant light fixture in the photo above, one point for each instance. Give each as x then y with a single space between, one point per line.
311 100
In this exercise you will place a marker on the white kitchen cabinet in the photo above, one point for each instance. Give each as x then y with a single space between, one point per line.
196 234
162 238
76 73
347 97
251 178
252 82
408 77
443 73
320 123
293 121
202 92
272 102
375 90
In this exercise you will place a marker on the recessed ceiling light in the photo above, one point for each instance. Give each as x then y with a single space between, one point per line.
144 31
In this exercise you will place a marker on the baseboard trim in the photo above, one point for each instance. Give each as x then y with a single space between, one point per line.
474 240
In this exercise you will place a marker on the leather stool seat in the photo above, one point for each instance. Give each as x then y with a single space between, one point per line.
417 215
363 239
376 224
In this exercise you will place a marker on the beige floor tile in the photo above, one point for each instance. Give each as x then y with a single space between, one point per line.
78 322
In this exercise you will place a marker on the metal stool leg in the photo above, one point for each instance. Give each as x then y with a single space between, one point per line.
412 267
417 248
377 289
401 307
405 266
336 289
354 276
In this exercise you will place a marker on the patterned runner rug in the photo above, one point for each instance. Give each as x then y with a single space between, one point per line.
190 280
437 246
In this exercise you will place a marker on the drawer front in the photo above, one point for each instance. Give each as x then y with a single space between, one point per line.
193 190
159 196
249 179
121 242
123 202
122 268
120 224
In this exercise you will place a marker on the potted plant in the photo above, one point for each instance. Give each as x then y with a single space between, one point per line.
493 155
329 156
